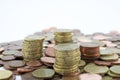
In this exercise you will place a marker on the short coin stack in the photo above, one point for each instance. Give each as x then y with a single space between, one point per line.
89 50
67 57
32 47
63 36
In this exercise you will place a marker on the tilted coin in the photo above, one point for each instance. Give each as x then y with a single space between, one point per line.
107 78
43 73
82 63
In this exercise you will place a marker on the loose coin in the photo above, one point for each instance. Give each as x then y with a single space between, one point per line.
43 73
5 74
110 57
107 78
116 62
16 63
112 74
50 52
48 60
2 49
115 69
103 63
10 52
90 76
93 68
34 63
7 58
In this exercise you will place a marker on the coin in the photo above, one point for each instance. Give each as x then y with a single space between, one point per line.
24 70
117 62
10 52
2 49
107 78
50 52
112 74
48 60
43 73
7 58
82 63
5 74
93 68
110 57
103 63
90 76
34 63
115 69
16 63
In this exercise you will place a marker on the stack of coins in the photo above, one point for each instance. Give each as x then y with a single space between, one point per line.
67 57
90 50
32 47
63 36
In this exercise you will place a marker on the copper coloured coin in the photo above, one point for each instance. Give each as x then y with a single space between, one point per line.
19 55
7 58
1 63
116 62
34 63
103 63
24 70
51 45
48 60
50 52
16 63
2 49
90 76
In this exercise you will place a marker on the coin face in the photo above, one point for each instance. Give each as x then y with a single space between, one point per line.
7 58
34 63
93 68
90 76
16 63
50 52
5 74
103 63
10 52
48 60
43 73
115 69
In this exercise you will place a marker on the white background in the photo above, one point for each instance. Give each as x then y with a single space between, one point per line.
19 18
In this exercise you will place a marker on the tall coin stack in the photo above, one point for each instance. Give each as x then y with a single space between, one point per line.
63 36
67 57
32 47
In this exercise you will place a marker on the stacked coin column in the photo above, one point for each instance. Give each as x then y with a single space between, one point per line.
32 48
63 36
67 57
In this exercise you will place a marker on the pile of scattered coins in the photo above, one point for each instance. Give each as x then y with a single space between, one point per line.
81 57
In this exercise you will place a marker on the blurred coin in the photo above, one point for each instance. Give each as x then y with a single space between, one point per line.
43 73
90 76
48 60
7 58
115 69
50 52
16 63
34 63
110 57
117 62
93 68
103 63
10 52
5 74
2 49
